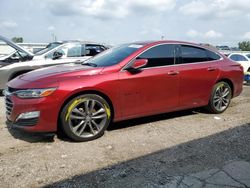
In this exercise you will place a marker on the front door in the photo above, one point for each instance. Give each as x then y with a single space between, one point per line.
155 88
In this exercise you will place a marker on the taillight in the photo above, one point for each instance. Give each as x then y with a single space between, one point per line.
241 67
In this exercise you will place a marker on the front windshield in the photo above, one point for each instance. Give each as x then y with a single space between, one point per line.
113 56
48 48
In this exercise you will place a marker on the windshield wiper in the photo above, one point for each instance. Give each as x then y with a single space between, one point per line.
89 64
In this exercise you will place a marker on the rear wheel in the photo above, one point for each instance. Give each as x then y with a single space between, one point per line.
85 117
220 98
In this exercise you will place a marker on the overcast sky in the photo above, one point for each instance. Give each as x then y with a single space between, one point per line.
112 21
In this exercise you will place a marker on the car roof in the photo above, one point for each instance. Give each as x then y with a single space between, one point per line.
152 43
167 42
78 41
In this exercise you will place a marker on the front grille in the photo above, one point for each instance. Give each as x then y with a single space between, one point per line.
8 105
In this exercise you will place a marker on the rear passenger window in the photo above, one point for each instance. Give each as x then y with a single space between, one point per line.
241 58
192 54
212 56
161 55
237 57
234 57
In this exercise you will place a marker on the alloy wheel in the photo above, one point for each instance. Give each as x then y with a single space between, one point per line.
87 118
222 96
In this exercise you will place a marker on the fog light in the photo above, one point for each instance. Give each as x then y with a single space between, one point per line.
29 115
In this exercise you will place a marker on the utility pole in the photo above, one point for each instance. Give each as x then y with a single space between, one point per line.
54 38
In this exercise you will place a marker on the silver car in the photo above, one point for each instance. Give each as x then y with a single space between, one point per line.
20 61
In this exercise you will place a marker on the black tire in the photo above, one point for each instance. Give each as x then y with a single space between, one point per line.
68 117
213 106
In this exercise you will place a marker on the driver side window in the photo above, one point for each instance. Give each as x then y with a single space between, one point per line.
161 55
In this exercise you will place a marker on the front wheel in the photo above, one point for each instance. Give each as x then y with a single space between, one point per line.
220 98
85 117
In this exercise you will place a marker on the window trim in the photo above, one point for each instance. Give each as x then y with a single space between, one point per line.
178 55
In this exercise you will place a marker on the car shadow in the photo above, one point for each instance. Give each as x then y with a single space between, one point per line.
154 118
31 137
50 137
160 168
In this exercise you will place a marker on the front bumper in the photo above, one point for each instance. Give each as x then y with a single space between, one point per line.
47 107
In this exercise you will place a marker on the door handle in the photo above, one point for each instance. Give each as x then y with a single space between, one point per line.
211 68
173 73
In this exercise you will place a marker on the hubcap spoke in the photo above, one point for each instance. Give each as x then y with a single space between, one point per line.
91 128
99 111
77 126
83 128
77 117
86 106
102 116
225 94
92 106
94 123
77 111
216 100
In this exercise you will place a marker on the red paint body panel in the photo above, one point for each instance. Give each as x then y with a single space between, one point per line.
151 91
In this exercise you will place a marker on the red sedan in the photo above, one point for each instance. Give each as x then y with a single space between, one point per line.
129 81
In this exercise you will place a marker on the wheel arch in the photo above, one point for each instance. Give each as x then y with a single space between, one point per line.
82 93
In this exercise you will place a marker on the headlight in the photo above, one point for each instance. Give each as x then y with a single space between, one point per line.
34 93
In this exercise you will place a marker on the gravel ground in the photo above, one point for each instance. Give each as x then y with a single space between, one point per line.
168 150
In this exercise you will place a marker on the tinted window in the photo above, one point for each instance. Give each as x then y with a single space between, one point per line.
238 58
92 50
192 54
234 57
241 58
160 55
212 56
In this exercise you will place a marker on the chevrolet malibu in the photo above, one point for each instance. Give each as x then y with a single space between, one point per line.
129 81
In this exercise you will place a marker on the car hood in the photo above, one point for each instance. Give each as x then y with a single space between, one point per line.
59 72
15 46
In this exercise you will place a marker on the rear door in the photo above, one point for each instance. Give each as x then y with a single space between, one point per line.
199 69
155 88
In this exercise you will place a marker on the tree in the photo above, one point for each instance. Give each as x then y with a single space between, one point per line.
17 39
244 45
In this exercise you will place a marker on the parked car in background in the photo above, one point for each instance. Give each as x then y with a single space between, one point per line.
13 53
129 81
225 48
243 59
20 61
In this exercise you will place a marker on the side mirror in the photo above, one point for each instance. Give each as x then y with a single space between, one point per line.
57 55
137 65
